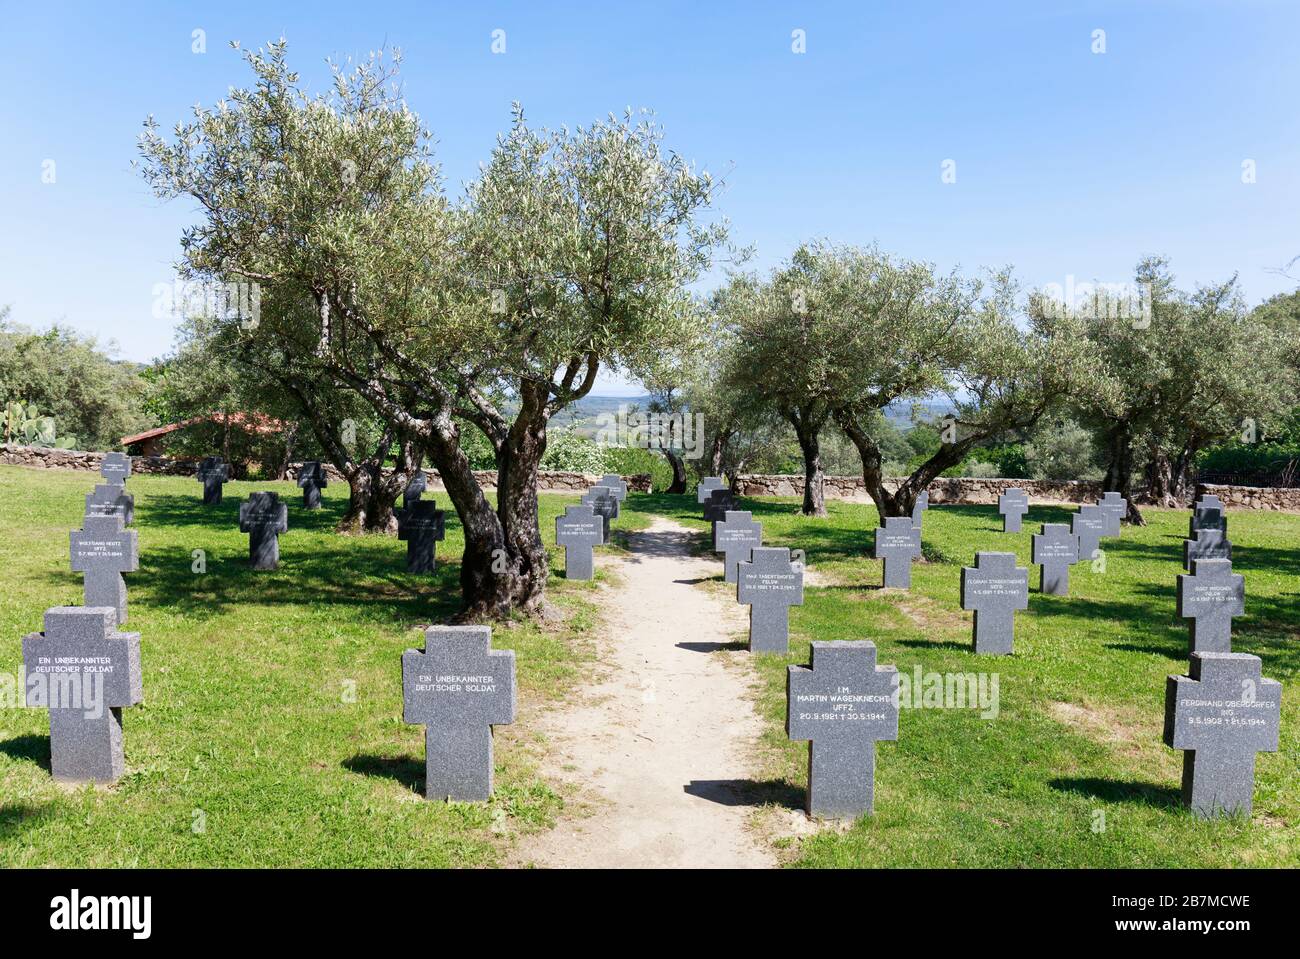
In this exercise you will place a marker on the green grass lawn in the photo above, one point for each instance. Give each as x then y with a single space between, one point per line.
1077 741
271 731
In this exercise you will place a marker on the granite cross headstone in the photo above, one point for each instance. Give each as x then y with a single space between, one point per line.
919 507
735 537
1210 597
1207 544
110 499
1207 517
578 530
115 468
994 588
102 550
769 584
85 673
1055 550
312 479
720 503
1013 504
1089 525
263 517
616 484
1222 714
898 543
1115 508
458 687
602 502
421 526
843 703
707 486
212 473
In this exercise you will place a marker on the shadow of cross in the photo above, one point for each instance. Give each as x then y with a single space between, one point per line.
458 687
720 502
1013 504
1210 597
603 504
735 537
415 487
706 487
770 584
102 550
110 499
263 517
994 588
115 468
1089 525
1222 714
1055 550
1114 507
421 525
843 703
1206 544
578 530
898 543
85 673
212 473
312 479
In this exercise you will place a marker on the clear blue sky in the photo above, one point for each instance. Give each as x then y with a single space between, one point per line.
1068 162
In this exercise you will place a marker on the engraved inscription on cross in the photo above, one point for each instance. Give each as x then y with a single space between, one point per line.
736 537
1211 597
1054 550
1089 525
1115 508
212 473
1222 714
578 530
458 687
421 525
1013 504
769 584
898 543
1206 544
706 487
843 703
312 478
102 550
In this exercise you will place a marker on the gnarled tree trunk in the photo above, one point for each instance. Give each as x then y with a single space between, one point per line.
678 484
1119 469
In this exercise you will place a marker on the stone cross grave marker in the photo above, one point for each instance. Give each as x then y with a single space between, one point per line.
417 485
312 479
995 587
770 584
735 537
102 550
1221 714
616 484
602 502
720 503
1207 544
1055 549
1211 597
843 703
706 487
898 543
919 507
1208 516
421 526
212 473
85 673
1089 525
1013 504
263 517
110 499
578 530
1115 508
458 687
115 468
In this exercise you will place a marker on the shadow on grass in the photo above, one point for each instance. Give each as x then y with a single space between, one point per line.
1175 652
713 647
31 748
747 792
17 818
1117 791
405 770
934 644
